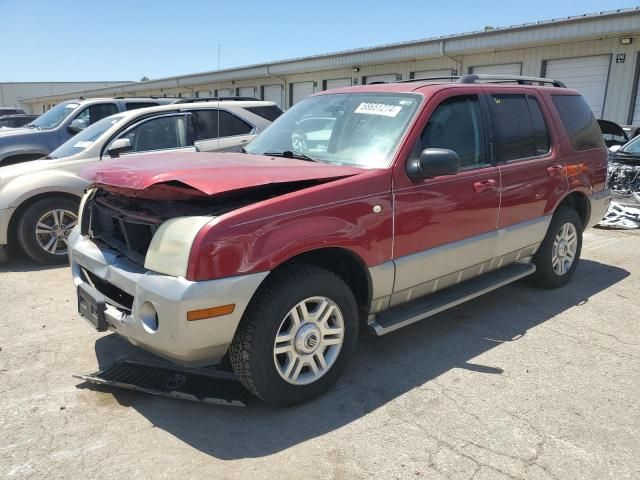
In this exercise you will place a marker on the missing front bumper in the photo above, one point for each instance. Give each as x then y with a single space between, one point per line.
199 385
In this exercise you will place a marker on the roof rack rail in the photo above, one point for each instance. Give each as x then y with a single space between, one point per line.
216 99
520 80
155 97
475 78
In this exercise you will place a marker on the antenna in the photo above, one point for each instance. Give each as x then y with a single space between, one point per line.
218 95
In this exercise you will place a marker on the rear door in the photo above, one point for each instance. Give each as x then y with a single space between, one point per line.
532 171
445 227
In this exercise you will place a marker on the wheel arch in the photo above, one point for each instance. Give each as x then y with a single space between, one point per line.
349 266
580 203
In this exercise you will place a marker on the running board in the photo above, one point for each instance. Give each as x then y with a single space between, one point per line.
201 384
429 305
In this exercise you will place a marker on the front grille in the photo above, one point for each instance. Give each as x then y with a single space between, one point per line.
128 235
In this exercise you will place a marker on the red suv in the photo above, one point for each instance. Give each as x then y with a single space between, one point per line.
374 206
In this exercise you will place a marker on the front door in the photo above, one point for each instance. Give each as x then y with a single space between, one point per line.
445 227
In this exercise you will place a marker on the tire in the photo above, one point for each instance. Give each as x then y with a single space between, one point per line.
46 212
553 269
273 311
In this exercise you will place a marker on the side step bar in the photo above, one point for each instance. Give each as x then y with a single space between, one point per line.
424 307
167 380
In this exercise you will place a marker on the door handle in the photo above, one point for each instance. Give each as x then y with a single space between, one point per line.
485 185
555 169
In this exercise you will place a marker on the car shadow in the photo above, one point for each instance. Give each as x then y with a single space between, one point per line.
383 369
19 262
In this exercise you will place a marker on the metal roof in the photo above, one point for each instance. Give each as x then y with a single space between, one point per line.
525 33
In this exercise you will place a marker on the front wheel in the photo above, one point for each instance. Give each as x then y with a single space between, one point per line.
557 258
45 226
296 335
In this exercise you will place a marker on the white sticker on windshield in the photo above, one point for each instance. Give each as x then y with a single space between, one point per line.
71 105
378 109
83 144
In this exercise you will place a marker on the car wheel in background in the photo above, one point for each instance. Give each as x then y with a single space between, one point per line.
44 227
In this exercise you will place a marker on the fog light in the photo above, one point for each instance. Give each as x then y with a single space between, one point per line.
148 317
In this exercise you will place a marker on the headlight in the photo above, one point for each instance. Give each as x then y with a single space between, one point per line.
171 245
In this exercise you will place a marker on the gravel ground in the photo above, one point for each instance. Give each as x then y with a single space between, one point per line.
521 383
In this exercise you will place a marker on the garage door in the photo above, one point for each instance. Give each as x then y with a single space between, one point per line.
432 73
337 83
300 90
636 108
247 91
389 78
588 75
202 93
224 92
273 93
504 69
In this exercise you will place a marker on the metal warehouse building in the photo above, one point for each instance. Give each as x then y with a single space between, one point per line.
597 54
13 93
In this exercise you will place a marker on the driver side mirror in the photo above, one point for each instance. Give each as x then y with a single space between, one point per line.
433 162
119 146
614 148
77 126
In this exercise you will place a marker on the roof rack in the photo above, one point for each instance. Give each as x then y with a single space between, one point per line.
476 78
155 97
520 80
217 99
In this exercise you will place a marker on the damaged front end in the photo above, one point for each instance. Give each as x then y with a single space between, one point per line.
624 182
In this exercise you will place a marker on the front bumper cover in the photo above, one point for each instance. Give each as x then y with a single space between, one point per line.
190 343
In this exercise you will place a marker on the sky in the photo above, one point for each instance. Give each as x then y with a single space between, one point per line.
99 40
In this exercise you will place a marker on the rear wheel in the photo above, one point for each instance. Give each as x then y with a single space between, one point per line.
45 226
296 336
559 254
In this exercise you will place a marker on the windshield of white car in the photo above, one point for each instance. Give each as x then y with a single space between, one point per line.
632 147
357 129
85 139
53 117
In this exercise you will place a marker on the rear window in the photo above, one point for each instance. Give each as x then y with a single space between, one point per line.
211 122
579 122
268 112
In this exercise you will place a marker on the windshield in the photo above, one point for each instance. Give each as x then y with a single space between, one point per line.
55 116
359 129
85 139
632 147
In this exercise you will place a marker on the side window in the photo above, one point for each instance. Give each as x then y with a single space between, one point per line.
96 112
134 105
512 127
159 134
579 122
457 125
211 122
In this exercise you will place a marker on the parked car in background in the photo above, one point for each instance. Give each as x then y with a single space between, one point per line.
39 199
403 200
10 110
54 127
632 131
16 120
613 134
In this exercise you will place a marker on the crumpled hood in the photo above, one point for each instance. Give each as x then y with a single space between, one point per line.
210 173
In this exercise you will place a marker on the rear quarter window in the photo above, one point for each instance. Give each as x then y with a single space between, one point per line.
579 122
268 112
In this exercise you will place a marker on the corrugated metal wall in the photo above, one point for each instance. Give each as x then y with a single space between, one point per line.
619 88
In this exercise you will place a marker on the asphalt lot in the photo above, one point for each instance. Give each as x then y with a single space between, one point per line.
521 383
